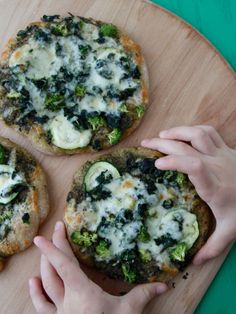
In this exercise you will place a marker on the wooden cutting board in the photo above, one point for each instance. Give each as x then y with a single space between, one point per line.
190 84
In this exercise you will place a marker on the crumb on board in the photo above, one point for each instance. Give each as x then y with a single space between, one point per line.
185 276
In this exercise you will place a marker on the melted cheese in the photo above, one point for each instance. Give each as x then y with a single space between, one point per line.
65 135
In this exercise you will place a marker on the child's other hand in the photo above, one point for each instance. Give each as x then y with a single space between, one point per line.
65 289
211 167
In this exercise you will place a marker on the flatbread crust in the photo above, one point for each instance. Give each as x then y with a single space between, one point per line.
36 202
200 209
35 134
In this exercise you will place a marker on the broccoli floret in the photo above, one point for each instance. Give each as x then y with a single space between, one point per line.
129 274
114 136
102 249
123 108
61 29
178 252
140 111
80 91
54 102
84 238
96 122
169 175
143 235
109 30
2 154
181 179
145 255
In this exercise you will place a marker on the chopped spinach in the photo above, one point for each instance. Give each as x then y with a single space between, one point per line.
26 218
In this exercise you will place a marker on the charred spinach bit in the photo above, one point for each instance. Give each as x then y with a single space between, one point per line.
48 136
108 30
58 49
135 72
50 18
179 219
147 165
54 102
140 110
145 255
25 32
142 209
102 249
178 252
126 93
96 122
81 122
143 235
114 136
125 121
113 120
80 91
166 240
42 120
104 177
84 238
84 50
26 218
98 193
2 154
43 35
96 144
41 84
167 204
103 69
128 256
130 275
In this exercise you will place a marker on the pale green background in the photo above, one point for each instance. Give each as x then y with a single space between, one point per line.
216 19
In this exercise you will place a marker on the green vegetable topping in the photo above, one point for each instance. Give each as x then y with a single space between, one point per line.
178 252
80 91
181 179
2 154
144 236
84 238
124 108
102 249
13 94
145 255
109 30
96 122
140 111
129 274
54 102
114 136
6 215
84 50
61 29
26 218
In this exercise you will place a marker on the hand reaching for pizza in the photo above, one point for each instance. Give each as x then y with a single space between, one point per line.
201 153
64 287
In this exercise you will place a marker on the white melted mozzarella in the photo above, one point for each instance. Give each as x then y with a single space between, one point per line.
66 136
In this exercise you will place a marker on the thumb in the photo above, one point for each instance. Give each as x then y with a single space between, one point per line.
214 246
139 296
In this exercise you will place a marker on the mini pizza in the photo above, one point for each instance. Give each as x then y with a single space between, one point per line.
23 199
132 221
73 84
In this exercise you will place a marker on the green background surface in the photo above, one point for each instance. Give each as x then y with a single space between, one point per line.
216 20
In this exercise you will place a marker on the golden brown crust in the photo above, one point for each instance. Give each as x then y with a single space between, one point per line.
200 209
36 132
37 206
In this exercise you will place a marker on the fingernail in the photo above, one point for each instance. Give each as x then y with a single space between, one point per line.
161 287
58 225
30 282
159 163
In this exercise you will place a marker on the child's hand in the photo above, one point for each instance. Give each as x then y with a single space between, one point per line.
64 288
211 167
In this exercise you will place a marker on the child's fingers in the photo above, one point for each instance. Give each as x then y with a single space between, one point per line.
169 146
60 241
199 175
139 296
51 281
198 137
214 135
66 268
39 300
214 246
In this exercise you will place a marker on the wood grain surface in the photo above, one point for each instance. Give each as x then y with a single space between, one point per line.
190 84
